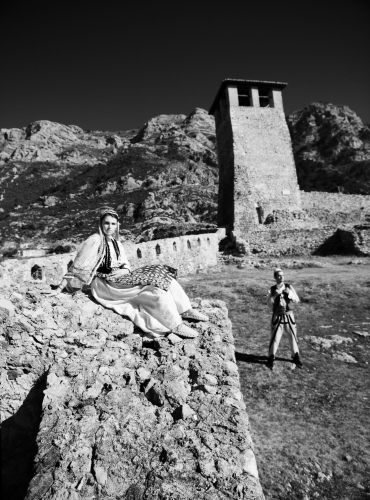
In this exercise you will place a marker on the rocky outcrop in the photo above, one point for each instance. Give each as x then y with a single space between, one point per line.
331 149
44 140
325 344
93 408
164 174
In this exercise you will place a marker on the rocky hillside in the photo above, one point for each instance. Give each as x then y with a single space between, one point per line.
331 149
162 178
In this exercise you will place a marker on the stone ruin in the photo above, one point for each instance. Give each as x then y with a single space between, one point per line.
191 253
260 204
91 408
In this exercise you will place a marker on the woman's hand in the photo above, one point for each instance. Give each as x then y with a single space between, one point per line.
119 272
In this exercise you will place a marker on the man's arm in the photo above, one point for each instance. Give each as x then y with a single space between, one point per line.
270 299
292 294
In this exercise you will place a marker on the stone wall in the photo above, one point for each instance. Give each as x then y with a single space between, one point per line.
188 254
265 174
335 202
325 240
91 409
290 241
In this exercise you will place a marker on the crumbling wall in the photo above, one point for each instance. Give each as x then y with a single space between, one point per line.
122 416
354 240
291 241
335 202
188 254
327 240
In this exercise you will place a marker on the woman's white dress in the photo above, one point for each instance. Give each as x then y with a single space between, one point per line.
153 310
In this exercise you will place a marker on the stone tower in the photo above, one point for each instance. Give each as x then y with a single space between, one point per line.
257 169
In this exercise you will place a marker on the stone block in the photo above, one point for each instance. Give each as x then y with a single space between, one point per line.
6 307
186 411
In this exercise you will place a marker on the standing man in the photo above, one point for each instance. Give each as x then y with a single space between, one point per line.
279 298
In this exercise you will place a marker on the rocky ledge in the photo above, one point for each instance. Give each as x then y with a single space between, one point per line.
93 409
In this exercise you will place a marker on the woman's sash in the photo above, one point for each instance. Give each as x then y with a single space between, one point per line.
159 275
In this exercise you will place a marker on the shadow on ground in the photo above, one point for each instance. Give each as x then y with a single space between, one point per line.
18 444
255 358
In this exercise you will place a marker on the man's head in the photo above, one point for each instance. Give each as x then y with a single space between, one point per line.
278 275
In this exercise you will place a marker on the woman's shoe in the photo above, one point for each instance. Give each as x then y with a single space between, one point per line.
195 315
185 331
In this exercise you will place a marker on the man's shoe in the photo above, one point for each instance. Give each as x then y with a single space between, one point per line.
185 331
270 362
194 315
297 361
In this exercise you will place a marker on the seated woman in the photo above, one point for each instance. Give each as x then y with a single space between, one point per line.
150 296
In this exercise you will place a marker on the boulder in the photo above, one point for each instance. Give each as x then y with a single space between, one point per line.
6 307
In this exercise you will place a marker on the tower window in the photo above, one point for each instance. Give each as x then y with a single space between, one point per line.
244 100
158 250
264 98
138 252
174 246
189 245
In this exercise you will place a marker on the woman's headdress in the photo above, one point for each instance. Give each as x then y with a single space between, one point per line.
109 211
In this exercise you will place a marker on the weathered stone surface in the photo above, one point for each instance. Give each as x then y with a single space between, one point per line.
327 343
361 334
345 357
117 415
331 148
6 307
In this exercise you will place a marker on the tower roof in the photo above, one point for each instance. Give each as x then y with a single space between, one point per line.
246 84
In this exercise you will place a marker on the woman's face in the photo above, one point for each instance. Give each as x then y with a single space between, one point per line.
109 225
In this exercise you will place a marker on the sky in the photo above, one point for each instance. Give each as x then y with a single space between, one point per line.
113 65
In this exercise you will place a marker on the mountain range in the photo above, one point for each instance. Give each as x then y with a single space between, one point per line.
161 178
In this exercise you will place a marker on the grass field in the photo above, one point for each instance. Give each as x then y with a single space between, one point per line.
311 427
